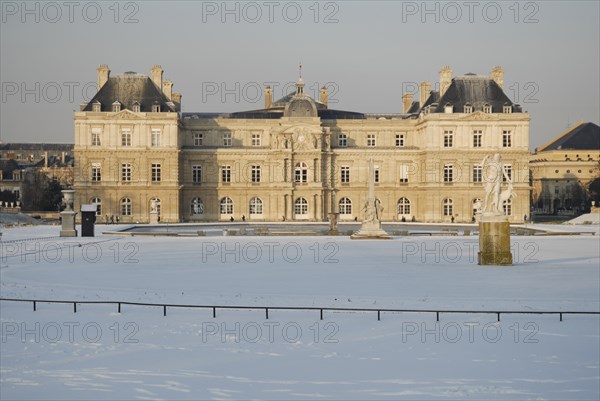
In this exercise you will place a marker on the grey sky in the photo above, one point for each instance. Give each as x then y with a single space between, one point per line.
549 50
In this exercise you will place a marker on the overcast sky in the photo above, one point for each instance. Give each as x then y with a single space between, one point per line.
219 55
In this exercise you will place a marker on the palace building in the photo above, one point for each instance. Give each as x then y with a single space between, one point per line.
296 159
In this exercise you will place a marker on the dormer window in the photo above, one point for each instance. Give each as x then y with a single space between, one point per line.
487 108
136 107
507 109
96 106
448 108
156 107
468 108
116 106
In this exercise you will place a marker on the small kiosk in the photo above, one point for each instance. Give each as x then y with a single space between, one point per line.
88 218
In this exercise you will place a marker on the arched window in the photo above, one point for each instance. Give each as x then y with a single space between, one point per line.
301 172
226 206
197 207
403 206
126 207
448 207
157 204
345 206
507 207
98 202
256 206
300 206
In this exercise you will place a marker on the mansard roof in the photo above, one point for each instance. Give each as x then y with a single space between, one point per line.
65 147
128 89
583 136
473 90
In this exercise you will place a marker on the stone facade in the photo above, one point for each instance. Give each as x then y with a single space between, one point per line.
297 159
562 169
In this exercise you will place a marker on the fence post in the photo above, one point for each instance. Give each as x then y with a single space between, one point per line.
561 316
34 306
498 316
321 314
119 309
378 315
214 312
267 313
437 316
164 310
74 307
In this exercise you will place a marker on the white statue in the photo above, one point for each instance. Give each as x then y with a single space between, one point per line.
493 173
153 206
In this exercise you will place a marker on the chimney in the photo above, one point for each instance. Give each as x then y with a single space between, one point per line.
177 98
424 92
268 97
324 95
103 74
406 102
498 76
445 79
46 159
157 73
167 88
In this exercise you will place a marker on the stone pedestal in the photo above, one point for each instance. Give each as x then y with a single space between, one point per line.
494 241
68 224
333 219
371 230
153 217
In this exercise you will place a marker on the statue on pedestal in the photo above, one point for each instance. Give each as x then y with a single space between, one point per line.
371 225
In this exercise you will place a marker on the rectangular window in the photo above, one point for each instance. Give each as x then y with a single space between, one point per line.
198 138
400 140
155 176
448 139
255 139
404 173
155 139
96 172
126 172
196 174
508 172
448 173
125 137
477 136
371 140
342 140
226 173
255 173
477 173
557 190
506 139
345 170
227 141
96 133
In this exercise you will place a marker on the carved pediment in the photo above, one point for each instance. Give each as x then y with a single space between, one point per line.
127 115
478 116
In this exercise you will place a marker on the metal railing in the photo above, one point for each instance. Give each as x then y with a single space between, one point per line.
321 310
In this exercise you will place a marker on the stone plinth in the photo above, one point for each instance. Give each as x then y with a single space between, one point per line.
68 224
153 217
371 230
494 241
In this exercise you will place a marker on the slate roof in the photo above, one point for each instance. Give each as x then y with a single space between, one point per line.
7 167
583 136
474 90
129 88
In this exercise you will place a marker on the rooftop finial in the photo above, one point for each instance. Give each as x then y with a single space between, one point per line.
300 69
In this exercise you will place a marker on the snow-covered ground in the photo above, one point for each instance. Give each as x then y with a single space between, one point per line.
97 353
